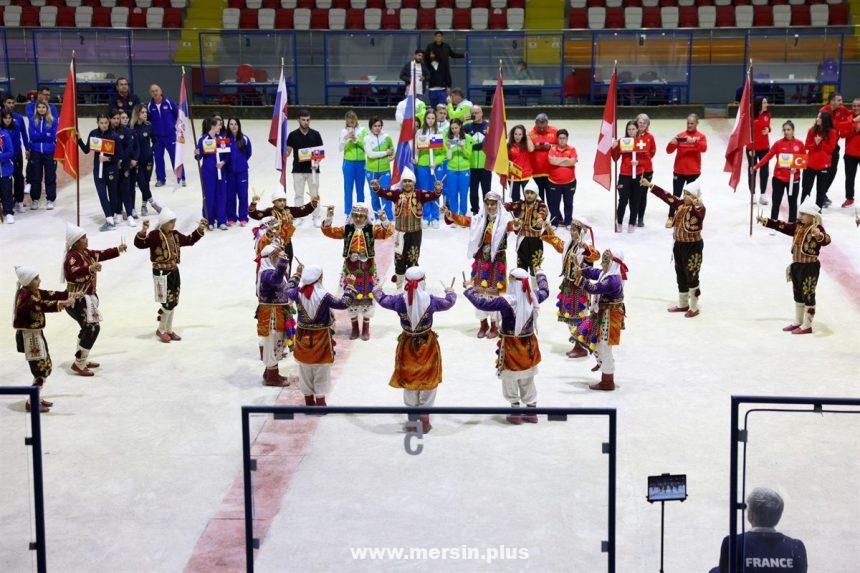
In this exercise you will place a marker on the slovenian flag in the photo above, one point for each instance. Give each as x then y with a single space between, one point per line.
403 155
182 130
278 127
437 141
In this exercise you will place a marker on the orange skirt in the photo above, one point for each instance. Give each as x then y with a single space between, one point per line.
271 315
313 346
417 362
517 354
615 314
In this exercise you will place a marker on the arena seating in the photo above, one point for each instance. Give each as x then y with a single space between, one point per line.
93 13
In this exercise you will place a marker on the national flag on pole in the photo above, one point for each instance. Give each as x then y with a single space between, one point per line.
496 141
741 137
182 131
603 158
403 154
278 127
66 149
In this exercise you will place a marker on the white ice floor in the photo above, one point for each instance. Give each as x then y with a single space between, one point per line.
139 458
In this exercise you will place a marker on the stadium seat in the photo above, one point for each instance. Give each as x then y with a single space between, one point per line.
394 4
229 18
578 3
101 17
390 19
800 15
707 16
462 20
408 18
30 16
155 18
354 19
725 16
266 19
119 17
12 16
760 2
596 18
65 17
427 4
497 19
426 19
480 18
516 18
782 16
743 16
179 4
253 4
614 18
498 4
682 3
723 2
138 3
796 2
102 3
372 19
633 17
76 3
83 16
172 18
302 18
413 4
651 17
48 16
137 18
762 16
289 5
323 4
462 3
248 19
669 16
650 3
444 18
319 19
284 19
838 14
577 18
596 4
688 17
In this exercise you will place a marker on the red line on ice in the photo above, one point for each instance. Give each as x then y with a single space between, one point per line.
221 546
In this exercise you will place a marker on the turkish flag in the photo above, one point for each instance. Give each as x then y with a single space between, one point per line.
603 158
740 139
799 161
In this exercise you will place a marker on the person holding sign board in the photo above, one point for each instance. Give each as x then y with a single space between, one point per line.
214 149
102 142
628 184
786 175
303 168
432 164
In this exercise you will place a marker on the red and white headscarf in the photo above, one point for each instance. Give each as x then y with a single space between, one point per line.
311 291
416 298
616 267
521 298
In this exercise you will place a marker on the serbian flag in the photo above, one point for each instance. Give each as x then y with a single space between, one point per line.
278 127
739 140
496 142
182 131
66 149
608 132
403 154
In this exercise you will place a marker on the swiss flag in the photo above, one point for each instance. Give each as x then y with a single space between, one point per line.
740 139
603 158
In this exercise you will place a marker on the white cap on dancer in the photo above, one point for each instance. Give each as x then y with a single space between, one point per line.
268 250
73 235
808 207
407 175
25 275
694 188
165 217
279 194
532 186
492 196
310 275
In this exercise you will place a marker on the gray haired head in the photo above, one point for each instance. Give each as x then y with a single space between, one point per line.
764 507
541 118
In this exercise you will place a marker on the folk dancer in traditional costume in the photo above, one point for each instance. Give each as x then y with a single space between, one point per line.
687 223
573 300
314 349
408 211
285 215
31 304
164 244
531 214
488 243
276 326
602 330
417 360
80 267
808 238
518 350
359 249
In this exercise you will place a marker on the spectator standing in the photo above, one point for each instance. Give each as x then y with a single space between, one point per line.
378 150
21 147
438 55
543 136
841 116
415 68
122 98
688 147
562 178
7 165
459 167
478 177
782 176
760 145
520 151
628 179
459 107
163 113
213 171
43 140
305 172
645 159
105 166
142 174
128 152
821 139
352 145
851 132
43 95
432 164
238 174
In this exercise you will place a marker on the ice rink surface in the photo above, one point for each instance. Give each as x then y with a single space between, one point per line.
142 461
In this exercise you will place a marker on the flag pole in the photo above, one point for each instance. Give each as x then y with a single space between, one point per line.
283 159
194 136
615 161
77 148
414 119
752 139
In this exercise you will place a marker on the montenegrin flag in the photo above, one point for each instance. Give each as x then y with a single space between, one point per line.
740 138
66 149
182 131
603 157
278 127
496 143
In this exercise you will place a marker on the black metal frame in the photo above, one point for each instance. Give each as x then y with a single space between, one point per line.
739 435
35 442
554 414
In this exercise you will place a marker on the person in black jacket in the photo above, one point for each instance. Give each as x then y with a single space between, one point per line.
127 162
103 142
479 177
438 55
421 72
122 98
763 549
144 138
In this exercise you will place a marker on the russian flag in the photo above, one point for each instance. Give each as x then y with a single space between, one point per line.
278 127
182 131
403 155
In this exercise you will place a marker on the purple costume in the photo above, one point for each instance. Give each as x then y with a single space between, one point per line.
397 303
500 304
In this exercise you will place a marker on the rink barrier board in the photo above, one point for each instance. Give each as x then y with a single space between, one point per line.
287 413
740 435
35 442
